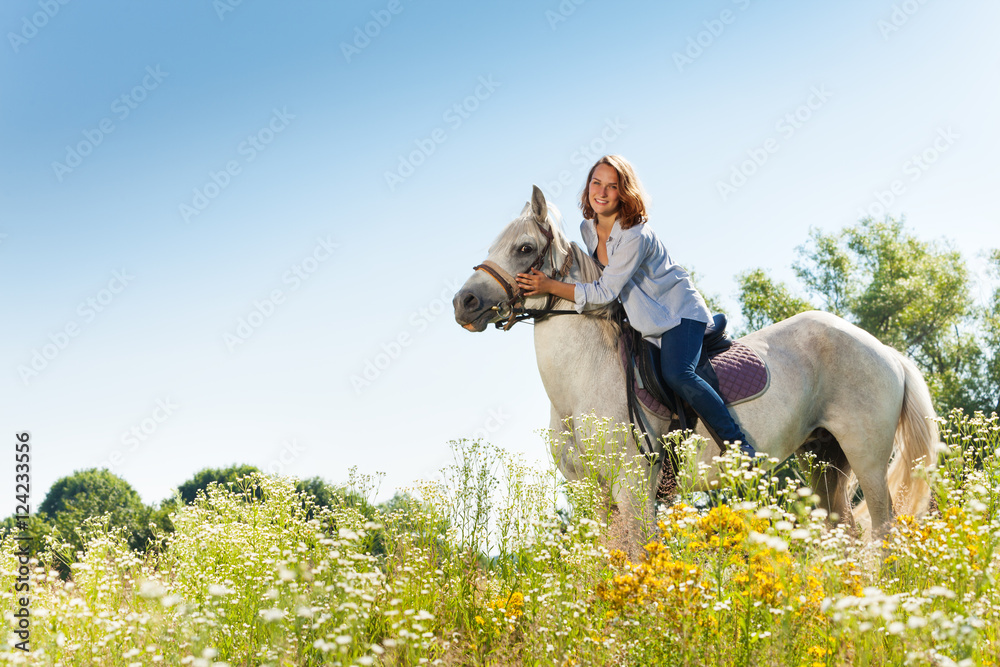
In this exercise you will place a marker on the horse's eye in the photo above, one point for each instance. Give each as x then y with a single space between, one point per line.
525 249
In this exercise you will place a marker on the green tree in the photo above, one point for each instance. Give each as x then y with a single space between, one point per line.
912 295
326 495
92 493
160 523
228 477
908 293
990 316
323 493
764 301
35 528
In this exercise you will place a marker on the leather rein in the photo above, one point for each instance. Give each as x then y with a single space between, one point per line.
512 309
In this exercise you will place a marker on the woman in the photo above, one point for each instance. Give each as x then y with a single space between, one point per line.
658 296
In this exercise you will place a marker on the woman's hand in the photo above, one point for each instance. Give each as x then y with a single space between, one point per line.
534 283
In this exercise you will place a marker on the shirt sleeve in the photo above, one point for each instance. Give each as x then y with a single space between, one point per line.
621 266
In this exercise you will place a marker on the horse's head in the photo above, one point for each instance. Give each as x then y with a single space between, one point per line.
531 239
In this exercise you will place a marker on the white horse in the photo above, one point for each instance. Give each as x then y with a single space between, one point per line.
834 388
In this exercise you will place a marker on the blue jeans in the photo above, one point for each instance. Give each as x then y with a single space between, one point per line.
680 349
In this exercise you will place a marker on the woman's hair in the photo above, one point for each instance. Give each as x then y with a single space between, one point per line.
631 196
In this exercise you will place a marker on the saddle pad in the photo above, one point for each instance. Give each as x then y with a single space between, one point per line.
742 374
742 377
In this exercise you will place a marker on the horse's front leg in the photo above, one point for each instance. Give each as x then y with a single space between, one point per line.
563 446
624 482
633 485
576 463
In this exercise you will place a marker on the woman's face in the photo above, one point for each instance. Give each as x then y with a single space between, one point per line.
603 190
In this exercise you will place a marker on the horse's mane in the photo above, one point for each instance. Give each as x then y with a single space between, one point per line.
605 316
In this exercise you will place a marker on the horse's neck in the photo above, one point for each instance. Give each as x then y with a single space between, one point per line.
575 327
573 351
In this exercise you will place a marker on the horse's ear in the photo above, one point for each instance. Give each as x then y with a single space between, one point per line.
538 206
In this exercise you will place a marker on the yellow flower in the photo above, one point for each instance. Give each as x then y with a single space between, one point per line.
512 605
671 586
724 529
817 651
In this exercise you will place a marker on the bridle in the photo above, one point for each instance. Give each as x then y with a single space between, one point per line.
512 309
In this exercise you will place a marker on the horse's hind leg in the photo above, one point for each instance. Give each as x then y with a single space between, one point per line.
878 500
868 450
830 475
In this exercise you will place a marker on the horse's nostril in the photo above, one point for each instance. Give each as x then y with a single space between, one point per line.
470 302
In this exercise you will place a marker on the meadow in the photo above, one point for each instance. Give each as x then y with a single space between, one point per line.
500 563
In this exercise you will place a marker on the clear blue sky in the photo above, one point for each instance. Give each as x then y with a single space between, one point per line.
170 169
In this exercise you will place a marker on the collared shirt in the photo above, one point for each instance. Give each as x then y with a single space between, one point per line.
656 293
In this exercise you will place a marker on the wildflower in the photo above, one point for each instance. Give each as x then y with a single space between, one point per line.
273 614
817 652
151 589
940 591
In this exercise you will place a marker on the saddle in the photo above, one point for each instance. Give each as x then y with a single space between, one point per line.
734 370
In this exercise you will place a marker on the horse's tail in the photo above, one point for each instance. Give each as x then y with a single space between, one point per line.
916 442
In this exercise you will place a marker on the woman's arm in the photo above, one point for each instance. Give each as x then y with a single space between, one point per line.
623 261
536 282
622 264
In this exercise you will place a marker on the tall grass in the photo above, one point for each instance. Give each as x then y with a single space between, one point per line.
499 563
